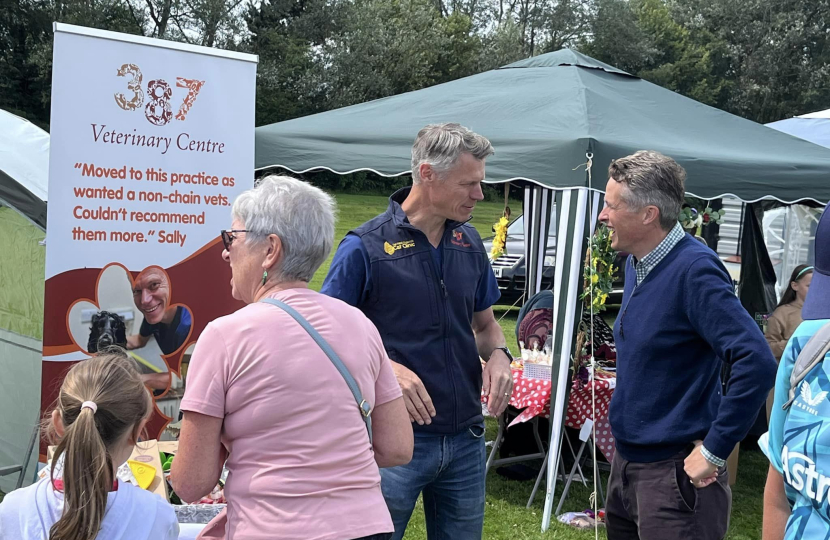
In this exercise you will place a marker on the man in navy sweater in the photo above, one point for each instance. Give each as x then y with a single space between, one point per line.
679 322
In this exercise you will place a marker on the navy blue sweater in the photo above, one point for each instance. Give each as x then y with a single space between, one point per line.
672 334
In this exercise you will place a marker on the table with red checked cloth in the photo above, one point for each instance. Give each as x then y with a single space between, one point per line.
532 397
579 409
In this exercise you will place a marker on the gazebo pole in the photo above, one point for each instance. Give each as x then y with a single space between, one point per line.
577 209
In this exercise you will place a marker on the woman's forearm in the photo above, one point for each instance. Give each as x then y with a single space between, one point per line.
198 463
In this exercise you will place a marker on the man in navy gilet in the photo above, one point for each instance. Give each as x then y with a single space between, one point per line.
422 276
679 322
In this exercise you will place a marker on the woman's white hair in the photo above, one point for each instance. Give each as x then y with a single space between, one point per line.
301 215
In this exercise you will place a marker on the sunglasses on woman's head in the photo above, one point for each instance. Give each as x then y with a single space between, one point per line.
228 237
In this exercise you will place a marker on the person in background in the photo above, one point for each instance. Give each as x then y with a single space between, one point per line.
170 325
787 316
261 393
680 321
420 272
101 412
796 494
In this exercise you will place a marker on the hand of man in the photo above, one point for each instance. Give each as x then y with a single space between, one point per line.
498 382
415 396
700 471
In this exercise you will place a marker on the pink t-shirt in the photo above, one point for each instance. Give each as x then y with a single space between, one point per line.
300 462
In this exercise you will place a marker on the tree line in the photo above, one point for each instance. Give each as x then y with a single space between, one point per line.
761 59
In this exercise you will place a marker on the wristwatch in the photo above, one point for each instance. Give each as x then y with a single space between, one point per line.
506 351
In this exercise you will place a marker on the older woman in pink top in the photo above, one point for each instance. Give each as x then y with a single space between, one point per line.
263 395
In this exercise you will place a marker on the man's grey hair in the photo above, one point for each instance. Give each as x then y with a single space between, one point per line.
301 215
652 179
440 145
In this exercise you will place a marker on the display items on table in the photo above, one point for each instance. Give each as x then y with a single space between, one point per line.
586 397
531 396
601 349
537 364
535 355
593 385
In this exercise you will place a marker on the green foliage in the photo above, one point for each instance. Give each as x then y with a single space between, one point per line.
761 60
22 90
504 45
387 47
599 270
689 62
285 34
646 38
616 37
26 46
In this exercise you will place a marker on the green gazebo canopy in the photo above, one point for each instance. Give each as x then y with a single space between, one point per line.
543 115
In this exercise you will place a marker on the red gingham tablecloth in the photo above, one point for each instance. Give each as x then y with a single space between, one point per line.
579 409
533 398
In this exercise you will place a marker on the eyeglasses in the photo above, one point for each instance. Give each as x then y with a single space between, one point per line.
228 237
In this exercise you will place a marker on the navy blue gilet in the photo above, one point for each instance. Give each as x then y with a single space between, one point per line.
424 313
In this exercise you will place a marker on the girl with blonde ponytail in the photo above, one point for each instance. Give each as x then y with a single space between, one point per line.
100 413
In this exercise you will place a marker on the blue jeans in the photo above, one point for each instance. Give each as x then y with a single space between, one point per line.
449 470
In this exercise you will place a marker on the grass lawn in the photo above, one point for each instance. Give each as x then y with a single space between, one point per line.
506 516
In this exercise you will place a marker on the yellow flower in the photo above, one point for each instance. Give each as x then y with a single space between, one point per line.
595 278
500 238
